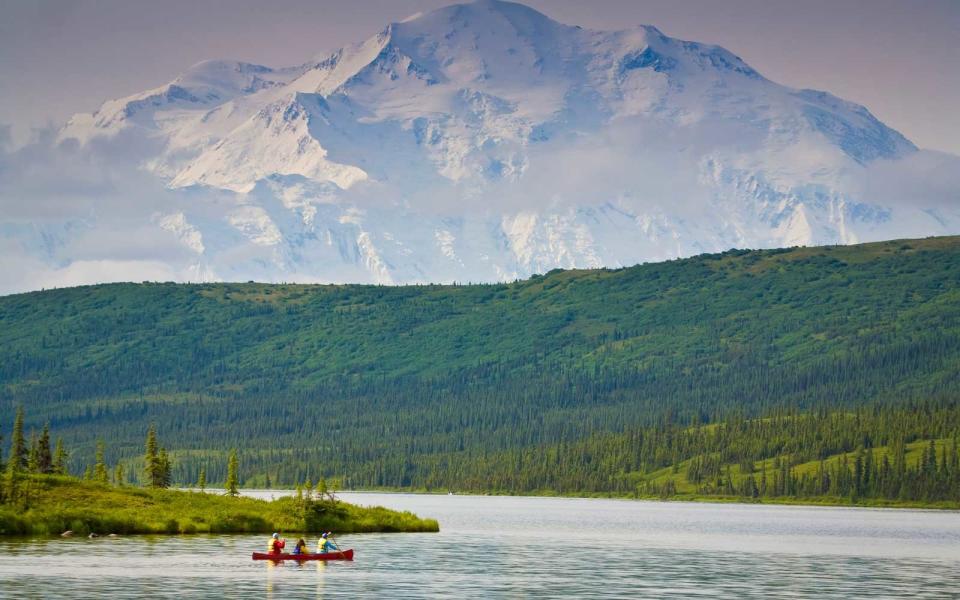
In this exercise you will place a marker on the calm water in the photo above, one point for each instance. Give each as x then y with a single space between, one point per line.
532 548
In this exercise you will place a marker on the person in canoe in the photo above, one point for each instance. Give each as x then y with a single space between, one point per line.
275 546
326 544
301 547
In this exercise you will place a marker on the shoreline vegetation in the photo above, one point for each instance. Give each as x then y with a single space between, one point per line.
817 501
61 503
824 501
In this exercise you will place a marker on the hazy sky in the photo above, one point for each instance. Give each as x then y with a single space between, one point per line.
900 58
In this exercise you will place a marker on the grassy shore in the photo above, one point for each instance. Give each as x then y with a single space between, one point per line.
57 504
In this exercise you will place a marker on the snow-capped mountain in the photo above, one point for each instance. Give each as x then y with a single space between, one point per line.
485 141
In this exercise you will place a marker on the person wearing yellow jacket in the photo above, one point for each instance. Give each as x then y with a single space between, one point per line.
325 545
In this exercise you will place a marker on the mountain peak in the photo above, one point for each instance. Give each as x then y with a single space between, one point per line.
484 8
480 17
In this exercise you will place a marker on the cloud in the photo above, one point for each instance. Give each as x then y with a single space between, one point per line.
24 274
606 165
70 216
927 178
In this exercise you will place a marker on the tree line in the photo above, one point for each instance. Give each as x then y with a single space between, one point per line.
883 452
33 456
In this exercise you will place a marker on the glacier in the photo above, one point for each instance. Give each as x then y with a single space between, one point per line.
478 142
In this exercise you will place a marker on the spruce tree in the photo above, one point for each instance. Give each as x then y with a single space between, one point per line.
151 463
164 469
100 465
10 479
118 475
32 454
44 457
18 446
202 479
323 491
60 458
930 460
869 474
233 466
858 474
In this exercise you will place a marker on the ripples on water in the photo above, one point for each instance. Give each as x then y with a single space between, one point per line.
531 548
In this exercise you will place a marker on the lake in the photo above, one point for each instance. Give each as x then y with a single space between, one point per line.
510 547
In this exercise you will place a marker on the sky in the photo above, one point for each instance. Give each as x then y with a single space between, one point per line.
897 57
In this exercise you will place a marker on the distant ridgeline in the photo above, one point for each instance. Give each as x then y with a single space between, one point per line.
495 387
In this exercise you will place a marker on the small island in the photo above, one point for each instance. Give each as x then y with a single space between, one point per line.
59 503
39 496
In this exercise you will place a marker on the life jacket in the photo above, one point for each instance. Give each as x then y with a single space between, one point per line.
300 549
275 546
324 545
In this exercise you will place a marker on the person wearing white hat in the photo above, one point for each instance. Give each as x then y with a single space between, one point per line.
276 544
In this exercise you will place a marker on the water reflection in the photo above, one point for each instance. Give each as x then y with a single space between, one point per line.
321 568
271 575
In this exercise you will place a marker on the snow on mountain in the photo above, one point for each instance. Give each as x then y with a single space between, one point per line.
204 86
485 141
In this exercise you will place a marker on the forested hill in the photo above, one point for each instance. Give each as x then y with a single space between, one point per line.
328 378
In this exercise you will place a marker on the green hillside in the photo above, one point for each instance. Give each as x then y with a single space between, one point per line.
381 385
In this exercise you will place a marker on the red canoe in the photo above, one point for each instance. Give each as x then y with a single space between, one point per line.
342 555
